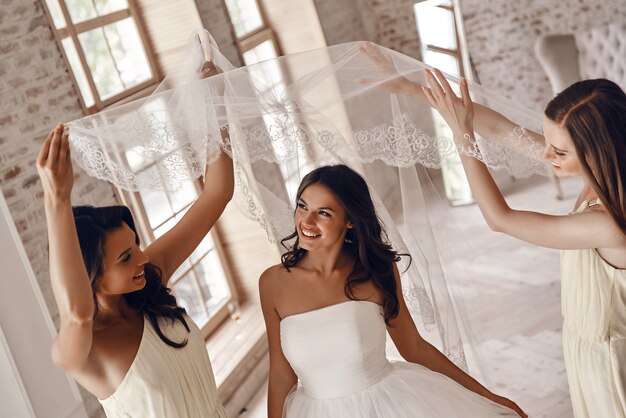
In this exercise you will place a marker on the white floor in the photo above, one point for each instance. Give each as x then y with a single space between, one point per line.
521 350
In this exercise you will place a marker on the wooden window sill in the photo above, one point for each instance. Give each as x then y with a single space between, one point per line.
236 348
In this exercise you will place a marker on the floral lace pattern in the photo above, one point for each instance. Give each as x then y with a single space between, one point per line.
314 112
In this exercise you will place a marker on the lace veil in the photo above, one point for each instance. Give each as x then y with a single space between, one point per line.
283 117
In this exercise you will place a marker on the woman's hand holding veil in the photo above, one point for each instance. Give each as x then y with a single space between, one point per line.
458 112
386 70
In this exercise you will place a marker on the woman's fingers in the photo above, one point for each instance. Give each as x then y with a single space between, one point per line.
376 58
429 96
55 145
64 151
376 53
45 149
208 69
465 95
435 88
444 83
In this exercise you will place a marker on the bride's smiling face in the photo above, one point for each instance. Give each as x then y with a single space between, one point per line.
320 219
560 150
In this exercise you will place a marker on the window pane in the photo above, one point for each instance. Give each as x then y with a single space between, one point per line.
79 72
101 62
187 296
128 52
263 51
157 208
435 25
245 15
445 62
181 270
183 196
109 6
213 281
56 13
81 10
116 57
204 247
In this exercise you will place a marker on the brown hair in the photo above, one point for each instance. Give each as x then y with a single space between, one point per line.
594 114
366 241
154 300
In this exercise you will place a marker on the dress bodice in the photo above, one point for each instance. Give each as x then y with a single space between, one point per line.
167 382
593 301
593 294
336 350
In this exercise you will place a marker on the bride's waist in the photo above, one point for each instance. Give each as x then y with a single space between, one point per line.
332 381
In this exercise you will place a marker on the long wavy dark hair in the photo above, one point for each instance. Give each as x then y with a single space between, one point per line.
594 114
366 241
154 300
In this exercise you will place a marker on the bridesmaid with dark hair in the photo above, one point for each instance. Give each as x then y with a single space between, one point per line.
122 336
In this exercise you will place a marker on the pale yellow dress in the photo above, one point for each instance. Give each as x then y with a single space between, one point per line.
593 298
167 382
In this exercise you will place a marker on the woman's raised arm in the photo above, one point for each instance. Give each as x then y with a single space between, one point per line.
70 283
560 232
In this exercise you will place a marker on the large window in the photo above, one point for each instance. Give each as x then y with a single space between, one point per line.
202 284
438 33
106 49
440 41
256 39
257 42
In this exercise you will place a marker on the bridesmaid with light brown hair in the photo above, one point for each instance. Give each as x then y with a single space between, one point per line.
584 135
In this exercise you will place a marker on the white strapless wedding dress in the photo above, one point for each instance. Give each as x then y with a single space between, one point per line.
338 353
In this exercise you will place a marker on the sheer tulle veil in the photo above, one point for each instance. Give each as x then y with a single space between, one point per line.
281 118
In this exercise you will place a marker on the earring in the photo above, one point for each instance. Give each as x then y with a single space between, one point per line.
346 239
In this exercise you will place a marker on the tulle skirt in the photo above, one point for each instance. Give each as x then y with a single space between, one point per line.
407 391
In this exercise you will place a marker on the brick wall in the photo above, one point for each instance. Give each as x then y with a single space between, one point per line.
390 23
36 92
501 35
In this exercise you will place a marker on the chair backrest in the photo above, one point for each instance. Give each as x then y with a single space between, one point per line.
595 53
558 54
602 53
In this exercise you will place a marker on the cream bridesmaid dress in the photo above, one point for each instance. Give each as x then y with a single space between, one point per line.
167 382
593 298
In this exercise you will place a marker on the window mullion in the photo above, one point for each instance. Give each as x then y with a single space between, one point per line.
148 49
81 55
201 294
100 21
442 50
253 39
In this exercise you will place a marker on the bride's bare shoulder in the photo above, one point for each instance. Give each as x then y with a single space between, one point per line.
272 285
273 275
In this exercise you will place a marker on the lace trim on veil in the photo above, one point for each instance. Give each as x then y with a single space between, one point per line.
168 139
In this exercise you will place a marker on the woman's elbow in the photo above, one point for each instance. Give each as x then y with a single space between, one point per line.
494 224
498 220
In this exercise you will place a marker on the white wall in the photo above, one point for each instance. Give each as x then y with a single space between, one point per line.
31 386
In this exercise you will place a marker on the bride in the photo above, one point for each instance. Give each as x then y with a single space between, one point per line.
327 307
